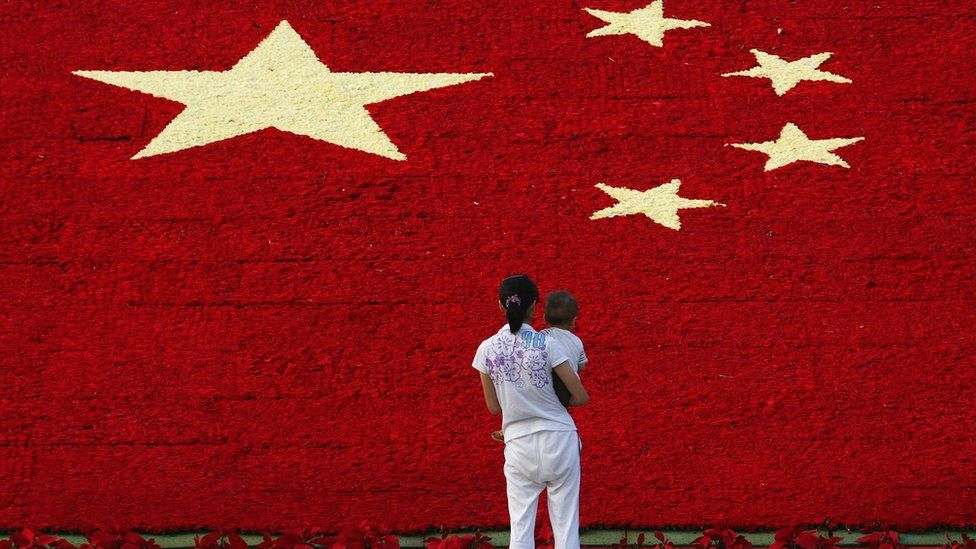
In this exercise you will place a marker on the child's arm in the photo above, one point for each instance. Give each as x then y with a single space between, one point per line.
577 394
490 397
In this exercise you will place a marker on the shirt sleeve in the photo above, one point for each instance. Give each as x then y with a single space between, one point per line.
479 359
557 355
582 356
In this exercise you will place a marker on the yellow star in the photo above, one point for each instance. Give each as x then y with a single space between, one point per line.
793 146
280 84
647 23
660 204
784 75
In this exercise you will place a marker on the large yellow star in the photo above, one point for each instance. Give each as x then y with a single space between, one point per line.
660 204
784 75
280 84
793 146
647 23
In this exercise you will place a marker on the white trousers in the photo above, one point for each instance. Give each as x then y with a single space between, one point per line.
550 460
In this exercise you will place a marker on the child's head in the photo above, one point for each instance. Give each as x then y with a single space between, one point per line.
561 310
517 297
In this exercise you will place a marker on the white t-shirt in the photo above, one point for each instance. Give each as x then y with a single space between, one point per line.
520 366
572 346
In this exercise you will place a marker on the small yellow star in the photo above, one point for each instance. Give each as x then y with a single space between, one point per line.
793 146
660 204
785 75
647 23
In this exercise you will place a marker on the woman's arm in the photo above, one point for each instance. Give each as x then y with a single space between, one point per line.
490 397
577 394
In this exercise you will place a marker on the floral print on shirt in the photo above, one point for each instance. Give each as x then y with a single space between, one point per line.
519 359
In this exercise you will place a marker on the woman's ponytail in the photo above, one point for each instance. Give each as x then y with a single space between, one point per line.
514 313
516 294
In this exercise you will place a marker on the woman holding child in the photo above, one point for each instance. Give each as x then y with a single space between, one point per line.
518 367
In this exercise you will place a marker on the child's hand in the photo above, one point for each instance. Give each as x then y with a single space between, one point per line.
497 435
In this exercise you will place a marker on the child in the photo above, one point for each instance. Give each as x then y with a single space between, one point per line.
542 446
561 312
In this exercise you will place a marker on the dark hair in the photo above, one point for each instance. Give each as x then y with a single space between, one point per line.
516 293
561 307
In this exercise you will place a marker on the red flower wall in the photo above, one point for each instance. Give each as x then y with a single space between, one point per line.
275 331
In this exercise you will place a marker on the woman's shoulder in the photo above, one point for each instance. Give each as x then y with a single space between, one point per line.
497 335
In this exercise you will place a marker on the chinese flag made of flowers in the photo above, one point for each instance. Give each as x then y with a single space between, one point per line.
248 249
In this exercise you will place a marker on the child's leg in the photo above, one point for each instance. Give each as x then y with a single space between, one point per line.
523 492
564 491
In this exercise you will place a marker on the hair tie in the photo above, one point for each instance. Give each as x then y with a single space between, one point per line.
513 299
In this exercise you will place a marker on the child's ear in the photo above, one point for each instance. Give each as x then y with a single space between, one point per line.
501 307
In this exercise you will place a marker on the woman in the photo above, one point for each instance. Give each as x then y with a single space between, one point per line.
542 446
